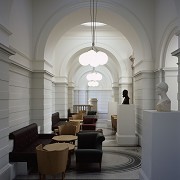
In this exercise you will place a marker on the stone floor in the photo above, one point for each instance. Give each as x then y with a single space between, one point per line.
122 163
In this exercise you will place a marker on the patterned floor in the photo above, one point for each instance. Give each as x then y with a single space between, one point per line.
120 163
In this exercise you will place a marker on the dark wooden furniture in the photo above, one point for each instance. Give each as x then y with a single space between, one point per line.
57 121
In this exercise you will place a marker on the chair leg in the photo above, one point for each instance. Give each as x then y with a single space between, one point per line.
63 175
42 176
99 166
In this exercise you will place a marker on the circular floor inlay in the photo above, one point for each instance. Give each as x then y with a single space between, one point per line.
120 161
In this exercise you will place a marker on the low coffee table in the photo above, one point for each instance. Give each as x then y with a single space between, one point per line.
61 146
65 138
58 146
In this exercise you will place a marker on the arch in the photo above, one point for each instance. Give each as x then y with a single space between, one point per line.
170 31
122 19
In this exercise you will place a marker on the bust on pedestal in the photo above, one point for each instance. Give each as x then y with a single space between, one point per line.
164 104
126 123
160 140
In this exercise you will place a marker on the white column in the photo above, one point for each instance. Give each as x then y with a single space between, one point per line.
115 92
177 53
144 88
61 94
5 52
70 97
41 101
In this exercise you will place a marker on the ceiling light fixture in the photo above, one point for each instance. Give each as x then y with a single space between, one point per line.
94 76
93 57
93 83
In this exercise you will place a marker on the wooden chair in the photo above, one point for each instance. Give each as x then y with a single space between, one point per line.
51 162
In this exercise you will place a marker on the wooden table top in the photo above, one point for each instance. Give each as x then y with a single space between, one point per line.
58 146
65 138
78 120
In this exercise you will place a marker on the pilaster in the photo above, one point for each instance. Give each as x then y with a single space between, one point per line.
5 52
61 98
41 101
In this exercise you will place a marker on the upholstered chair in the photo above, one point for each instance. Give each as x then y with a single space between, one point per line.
89 123
51 162
89 148
75 123
77 116
67 129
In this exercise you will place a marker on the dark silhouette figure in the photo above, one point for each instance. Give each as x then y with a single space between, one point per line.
126 98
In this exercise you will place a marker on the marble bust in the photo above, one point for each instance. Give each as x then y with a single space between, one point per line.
126 98
164 104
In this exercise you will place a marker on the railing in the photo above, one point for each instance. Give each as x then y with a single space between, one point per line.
82 107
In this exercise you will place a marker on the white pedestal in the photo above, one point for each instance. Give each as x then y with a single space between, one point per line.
160 146
126 125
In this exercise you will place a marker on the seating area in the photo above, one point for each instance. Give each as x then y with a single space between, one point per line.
28 144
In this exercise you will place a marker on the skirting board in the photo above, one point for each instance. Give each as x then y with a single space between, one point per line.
5 172
126 140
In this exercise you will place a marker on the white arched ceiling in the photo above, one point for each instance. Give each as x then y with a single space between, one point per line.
123 21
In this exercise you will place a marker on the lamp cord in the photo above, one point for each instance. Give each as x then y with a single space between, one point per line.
93 14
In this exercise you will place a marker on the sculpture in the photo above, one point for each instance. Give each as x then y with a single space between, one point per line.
164 104
126 98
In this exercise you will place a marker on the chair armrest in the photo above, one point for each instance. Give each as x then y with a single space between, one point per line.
46 136
63 119
56 131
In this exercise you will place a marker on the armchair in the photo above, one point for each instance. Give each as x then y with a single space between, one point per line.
51 162
89 147
89 123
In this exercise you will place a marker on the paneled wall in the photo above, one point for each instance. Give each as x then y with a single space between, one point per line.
4 112
19 97
53 97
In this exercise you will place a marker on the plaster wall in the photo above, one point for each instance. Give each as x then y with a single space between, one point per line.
20 24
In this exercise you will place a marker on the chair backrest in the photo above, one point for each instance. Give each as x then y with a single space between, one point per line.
75 123
55 118
90 140
67 129
77 116
51 162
